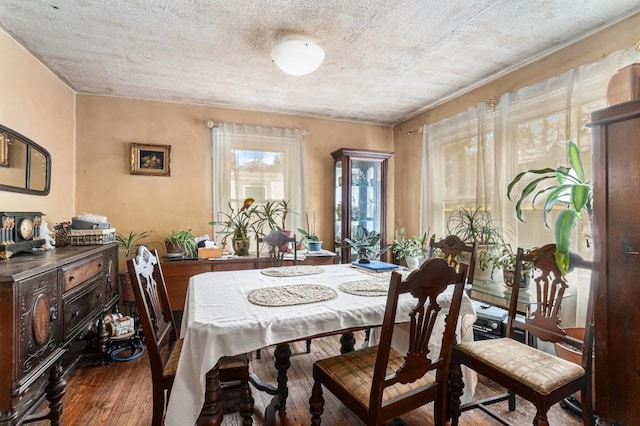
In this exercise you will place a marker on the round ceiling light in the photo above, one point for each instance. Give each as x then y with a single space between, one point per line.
297 56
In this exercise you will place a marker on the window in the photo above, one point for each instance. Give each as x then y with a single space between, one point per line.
260 163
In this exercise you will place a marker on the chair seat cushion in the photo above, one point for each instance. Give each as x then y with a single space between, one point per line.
171 364
537 369
353 371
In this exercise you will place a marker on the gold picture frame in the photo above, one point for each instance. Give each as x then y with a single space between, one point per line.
4 150
150 160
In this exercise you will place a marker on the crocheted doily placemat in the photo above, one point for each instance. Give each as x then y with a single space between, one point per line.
291 271
287 295
377 287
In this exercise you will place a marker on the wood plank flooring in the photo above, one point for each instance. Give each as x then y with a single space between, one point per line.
120 394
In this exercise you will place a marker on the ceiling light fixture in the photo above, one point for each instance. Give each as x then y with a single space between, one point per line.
297 56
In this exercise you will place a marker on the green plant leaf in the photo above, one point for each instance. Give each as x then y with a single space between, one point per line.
528 190
575 162
580 196
519 176
565 222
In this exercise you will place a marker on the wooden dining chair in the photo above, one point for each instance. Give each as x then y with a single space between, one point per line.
379 383
277 244
537 376
163 345
455 251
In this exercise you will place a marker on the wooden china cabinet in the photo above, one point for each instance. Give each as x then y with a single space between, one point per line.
616 236
360 195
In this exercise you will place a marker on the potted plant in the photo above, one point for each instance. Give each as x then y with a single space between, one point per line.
409 249
272 215
505 259
366 244
477 226
571 190
181 244
128 245
309 237
237 224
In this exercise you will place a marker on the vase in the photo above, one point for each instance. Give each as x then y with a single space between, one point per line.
412 261
624 85
241 246
509 274
314 245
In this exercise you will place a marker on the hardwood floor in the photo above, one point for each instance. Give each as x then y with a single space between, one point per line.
120 394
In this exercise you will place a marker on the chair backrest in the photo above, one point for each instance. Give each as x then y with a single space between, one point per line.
455 251
425 285
549 286
153 306
277 245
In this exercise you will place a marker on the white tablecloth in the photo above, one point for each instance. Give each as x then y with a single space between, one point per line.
219 321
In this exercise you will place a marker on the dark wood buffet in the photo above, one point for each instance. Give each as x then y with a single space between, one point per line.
177 272
47 300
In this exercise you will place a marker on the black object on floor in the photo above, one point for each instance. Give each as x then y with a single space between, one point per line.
396 422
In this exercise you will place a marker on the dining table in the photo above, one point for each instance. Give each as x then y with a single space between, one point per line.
228 313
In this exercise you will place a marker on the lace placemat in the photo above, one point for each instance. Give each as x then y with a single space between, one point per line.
378 275
379 287
287 295
292 271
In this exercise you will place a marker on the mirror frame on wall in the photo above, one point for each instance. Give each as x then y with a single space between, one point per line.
15 137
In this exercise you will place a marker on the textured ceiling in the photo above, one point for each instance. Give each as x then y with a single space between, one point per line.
385 60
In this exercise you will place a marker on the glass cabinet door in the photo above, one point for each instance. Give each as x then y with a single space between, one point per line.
360 195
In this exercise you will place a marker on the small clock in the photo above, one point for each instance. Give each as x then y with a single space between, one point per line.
19 232
25 229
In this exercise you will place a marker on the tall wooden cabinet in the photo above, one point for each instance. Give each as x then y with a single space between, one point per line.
47 300
616 236
360 195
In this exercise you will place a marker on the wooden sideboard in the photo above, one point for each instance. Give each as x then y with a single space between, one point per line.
48 299
177 272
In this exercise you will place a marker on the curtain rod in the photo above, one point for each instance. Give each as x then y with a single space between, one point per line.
414 131
212 124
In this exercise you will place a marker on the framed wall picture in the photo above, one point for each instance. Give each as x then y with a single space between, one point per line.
4 150
152 160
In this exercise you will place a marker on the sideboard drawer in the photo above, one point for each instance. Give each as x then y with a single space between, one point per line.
78 306
76 274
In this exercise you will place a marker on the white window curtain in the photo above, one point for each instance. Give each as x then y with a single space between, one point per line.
529 129
469 159
263 163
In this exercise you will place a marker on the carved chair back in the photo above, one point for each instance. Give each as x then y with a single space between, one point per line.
425 285
549 286
455 252
277 245
152 301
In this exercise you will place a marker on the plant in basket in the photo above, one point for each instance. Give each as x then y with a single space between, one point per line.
128 245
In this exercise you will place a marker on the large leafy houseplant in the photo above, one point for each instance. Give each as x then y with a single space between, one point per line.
571 191
237 224
478 226
128 245
366 244
182 240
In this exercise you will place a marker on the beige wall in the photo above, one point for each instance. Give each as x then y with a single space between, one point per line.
38 105
107 125
408 147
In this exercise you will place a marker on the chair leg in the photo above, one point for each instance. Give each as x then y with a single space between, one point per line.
258 354
316 403
541 418
512 401
308 346
246 403
456 388
158 406
587 406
